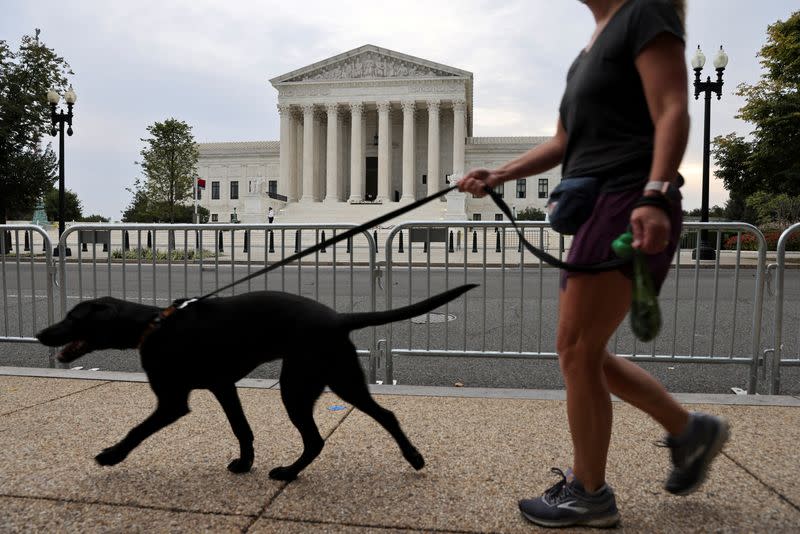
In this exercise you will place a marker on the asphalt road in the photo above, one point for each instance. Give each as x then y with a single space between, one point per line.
508 312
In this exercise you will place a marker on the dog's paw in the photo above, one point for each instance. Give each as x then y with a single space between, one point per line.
282 473
109 456
415 459
239 466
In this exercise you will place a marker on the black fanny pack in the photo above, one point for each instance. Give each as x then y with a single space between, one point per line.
571 203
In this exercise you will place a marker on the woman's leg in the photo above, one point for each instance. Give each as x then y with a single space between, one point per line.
591 308
636 386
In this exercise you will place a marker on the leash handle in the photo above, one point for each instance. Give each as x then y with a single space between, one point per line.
609 265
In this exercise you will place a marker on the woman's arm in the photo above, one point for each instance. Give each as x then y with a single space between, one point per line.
538 159
663 72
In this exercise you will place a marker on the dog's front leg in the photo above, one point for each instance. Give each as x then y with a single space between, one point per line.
167 412
229 399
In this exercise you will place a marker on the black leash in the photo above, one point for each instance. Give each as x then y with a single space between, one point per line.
328 242
608 265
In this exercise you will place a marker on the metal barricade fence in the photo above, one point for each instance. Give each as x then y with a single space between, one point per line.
158 263
26 266
514 293
783 347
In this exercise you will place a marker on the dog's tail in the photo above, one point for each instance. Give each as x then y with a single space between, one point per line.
354 321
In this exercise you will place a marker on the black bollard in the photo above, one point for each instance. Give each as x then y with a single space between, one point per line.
84 247
375 236
497 242
425 244
5 246
246 240
197 240
349 245
451 242
149 240
323 240
519 243
474 241
296 241
219 241
271 242
126 241
400 248
171 240
27 246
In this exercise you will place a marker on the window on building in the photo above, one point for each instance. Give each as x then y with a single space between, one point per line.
215 190
543 189
521 188
498 216
234 190
500 189
273 187
214 217
476 216
424 178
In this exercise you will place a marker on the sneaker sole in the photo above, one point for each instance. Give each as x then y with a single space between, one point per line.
608 521
719 441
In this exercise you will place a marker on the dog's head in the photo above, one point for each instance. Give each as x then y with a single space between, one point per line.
92 325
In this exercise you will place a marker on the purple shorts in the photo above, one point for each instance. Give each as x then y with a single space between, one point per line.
611 217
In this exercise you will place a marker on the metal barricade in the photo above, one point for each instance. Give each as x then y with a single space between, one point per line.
514 291
159 263
26 264
779 358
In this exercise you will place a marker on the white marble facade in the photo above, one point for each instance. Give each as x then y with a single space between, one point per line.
369 126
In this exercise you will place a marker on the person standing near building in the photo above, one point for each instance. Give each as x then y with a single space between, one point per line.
270 215
624 120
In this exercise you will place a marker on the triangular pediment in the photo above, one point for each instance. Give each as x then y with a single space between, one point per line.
370 63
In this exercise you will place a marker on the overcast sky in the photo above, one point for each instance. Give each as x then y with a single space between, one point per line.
208 62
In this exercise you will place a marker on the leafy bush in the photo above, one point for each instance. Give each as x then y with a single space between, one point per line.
749 242
161 255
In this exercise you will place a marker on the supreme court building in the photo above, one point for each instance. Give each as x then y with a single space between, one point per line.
359 133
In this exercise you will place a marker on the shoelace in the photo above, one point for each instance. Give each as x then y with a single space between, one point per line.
560 489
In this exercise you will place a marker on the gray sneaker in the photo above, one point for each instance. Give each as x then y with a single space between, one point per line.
693 451
567 503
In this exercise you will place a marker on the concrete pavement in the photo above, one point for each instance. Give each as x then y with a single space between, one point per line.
484 449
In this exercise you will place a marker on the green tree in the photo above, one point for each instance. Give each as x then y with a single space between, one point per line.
73 210
769 162
778 211
27 169
169 163
143 209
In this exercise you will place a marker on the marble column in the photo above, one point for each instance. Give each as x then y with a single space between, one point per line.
384 151
435 182
409 124
459 136
308 153
356 152
286 150
297 161
332 162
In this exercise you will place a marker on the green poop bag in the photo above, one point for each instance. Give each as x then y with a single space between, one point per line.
645 314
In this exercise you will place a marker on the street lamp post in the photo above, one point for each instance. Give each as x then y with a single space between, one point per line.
707 87
58 118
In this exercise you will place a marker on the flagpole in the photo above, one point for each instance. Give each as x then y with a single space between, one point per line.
196 186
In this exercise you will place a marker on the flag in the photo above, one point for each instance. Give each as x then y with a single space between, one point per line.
201 183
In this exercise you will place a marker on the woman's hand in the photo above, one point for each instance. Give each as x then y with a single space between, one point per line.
651 229
476 179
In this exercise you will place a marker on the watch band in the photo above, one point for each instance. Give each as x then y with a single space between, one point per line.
661 187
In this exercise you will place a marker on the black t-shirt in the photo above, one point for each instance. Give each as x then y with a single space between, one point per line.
604 109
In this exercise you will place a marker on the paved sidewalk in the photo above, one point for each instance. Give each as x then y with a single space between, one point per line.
484 450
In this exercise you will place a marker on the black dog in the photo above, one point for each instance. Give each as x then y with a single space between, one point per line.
179 354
